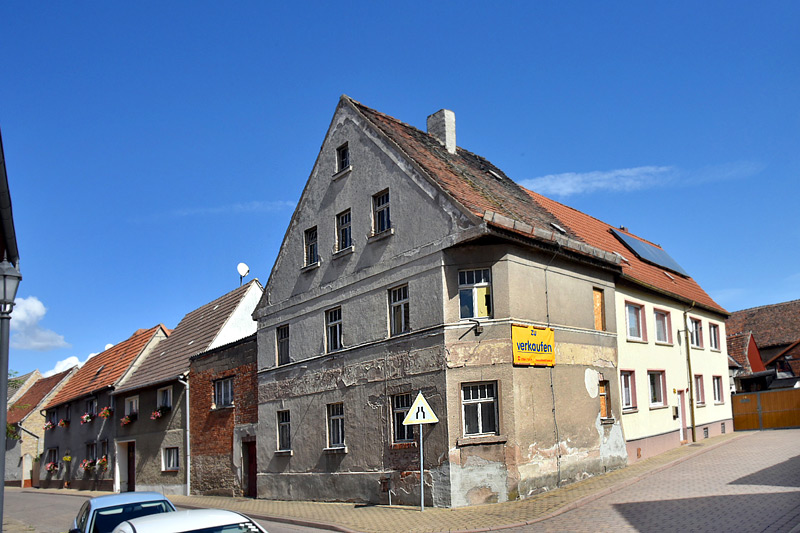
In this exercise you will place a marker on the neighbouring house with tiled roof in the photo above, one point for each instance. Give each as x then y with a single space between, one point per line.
412 265
748 373
776 329
27 421
18 385
152 440
223 437
81 421
655 300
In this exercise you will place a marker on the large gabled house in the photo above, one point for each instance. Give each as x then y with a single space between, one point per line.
80 419
412 265
25 419
668 329
152 441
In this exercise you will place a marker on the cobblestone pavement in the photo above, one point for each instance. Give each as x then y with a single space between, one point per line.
725 483
751 485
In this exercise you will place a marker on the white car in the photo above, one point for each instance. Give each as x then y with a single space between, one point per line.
194 521
103 513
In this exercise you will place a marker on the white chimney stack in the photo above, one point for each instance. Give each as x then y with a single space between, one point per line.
442 125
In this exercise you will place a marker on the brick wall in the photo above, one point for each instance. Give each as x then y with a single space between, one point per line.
214 469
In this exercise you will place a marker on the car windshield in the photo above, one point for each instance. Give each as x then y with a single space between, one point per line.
110 517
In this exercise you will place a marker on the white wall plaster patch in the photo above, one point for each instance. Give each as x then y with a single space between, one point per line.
590 378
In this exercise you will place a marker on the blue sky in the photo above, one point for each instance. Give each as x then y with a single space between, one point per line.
152 146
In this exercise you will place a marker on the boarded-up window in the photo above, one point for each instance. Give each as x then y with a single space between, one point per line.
605 400
599 310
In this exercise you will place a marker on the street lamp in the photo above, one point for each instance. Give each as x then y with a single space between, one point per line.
9 283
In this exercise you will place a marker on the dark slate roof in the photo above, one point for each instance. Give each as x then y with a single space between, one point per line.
34 396
106 368
16 383
194 334
773 325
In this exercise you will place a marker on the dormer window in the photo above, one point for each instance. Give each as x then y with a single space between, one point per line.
311 249
342 157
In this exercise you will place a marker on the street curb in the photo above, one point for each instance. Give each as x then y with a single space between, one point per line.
605 492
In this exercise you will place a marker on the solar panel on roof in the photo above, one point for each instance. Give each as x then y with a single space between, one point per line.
648 252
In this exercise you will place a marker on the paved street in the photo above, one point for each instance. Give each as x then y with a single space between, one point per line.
751 484
735 482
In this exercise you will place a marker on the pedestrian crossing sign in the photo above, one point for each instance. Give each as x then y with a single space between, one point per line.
420 412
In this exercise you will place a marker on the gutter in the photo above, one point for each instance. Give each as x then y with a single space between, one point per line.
188 440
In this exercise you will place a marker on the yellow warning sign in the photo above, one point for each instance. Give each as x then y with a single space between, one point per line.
420 412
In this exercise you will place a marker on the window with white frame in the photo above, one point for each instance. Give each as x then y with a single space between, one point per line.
634 314
335 425
282 340
699 391
223 392
132 405
311 249
713 336
479 408
380 213
475 293
696 332
91 406
401 403
51 456
717 380
663 326
398 310
333 327
170 458
658 388
165 397
91 451
627 384
344 236
342 157
284 431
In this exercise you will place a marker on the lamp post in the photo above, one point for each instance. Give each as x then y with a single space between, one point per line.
9 282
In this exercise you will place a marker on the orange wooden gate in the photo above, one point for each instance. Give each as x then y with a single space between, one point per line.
766 409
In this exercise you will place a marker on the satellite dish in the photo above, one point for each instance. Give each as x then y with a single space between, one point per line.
243 271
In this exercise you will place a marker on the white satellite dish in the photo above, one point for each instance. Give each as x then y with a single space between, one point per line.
243 270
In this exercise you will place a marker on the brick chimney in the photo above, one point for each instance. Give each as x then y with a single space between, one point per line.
442 125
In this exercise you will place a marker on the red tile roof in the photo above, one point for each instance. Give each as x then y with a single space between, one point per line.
33 396
598 233
744 350
483 191
194 334
773 325
106 368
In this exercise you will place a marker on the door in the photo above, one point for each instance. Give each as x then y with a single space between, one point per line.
131 467
682 415
252 491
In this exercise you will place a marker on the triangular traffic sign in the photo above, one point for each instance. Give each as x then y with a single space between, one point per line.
420 413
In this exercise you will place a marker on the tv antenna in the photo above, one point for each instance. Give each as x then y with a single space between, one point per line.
243 271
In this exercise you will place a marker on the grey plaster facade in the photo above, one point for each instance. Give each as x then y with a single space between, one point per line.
548 429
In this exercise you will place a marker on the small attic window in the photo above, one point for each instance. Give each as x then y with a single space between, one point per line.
215 307
190 342
342 157
668 275
99 370
558 228
495 174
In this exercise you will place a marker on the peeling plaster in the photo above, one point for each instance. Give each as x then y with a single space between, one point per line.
590 378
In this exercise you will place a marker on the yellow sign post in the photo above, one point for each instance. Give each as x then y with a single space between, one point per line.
533 346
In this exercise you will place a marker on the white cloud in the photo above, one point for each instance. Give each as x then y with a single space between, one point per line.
27 333
638 178
66 364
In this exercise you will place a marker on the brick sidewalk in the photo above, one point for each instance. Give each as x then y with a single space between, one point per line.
381 518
